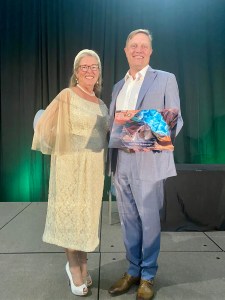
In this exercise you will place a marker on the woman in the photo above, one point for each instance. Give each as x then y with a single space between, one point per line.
73 130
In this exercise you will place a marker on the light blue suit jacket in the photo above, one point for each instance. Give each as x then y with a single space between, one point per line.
158 91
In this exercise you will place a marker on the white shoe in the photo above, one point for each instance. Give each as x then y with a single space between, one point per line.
88 280
76 290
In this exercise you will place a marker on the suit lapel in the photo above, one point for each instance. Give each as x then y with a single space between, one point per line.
146 85
115 93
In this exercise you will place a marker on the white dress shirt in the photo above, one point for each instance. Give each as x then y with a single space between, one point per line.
127 97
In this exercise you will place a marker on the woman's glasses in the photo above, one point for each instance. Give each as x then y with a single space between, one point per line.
85 68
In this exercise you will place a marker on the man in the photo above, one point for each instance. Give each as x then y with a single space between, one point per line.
139 176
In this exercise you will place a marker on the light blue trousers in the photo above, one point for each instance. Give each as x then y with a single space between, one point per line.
139 204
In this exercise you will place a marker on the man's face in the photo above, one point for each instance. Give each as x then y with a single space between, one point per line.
138 51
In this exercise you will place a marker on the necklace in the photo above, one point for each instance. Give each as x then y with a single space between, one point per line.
90 94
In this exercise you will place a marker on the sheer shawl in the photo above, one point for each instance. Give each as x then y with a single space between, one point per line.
52 134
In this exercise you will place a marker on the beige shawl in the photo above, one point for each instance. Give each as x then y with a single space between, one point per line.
52 134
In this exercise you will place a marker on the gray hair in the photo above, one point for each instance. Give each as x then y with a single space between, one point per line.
144 31
76 64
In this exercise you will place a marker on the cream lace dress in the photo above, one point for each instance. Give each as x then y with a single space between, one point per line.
76 179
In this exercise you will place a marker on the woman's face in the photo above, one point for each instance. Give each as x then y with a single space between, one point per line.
88 71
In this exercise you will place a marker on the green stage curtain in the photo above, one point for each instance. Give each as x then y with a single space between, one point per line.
40 38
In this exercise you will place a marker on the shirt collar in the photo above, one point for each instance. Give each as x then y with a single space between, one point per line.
139 75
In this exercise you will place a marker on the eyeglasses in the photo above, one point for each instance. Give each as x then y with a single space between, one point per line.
85 68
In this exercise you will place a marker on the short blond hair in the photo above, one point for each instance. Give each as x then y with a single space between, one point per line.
134 32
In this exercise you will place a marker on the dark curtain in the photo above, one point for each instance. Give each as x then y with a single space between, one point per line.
40 38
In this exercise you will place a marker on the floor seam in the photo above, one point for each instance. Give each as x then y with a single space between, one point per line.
15 216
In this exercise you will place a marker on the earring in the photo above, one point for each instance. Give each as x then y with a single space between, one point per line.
76 80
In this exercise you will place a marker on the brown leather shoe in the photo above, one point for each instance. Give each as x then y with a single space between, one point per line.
123 284
145 290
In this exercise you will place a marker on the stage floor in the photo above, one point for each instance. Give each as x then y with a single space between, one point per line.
191 264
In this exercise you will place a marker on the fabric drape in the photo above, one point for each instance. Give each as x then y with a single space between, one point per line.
40 38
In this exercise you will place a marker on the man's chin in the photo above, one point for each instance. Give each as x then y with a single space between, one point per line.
138 67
